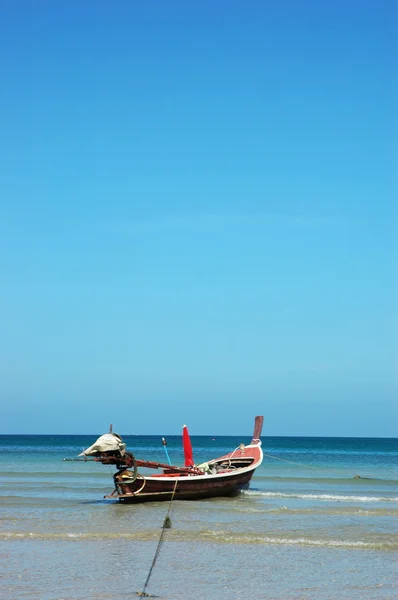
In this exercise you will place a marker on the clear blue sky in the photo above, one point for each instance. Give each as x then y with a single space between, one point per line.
198 216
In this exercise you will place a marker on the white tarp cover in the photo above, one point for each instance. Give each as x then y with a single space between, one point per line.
106 443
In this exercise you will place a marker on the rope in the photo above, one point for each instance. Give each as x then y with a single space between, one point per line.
291 462
231 455
166 525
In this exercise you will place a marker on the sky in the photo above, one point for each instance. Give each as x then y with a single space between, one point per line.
198 217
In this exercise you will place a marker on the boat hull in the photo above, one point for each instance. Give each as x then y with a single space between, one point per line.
148 489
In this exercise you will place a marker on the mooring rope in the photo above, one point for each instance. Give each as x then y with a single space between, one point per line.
166 525
336 469
291 462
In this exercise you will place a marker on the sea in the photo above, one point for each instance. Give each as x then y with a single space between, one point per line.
319 522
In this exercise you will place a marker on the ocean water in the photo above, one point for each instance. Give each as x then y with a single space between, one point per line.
306 529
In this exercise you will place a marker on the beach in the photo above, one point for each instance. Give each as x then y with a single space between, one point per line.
308 528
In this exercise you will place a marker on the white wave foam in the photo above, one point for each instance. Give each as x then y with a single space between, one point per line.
222 537
328 543
327 497
301 541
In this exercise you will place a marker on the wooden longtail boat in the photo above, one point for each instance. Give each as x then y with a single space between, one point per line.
223 476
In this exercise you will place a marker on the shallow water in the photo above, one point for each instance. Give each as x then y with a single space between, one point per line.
307 530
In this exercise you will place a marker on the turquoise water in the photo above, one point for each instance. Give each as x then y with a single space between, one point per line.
306 529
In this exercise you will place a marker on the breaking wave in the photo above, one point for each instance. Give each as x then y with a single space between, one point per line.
326 497
221 537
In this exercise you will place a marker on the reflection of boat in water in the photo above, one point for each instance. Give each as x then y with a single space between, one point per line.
223 476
